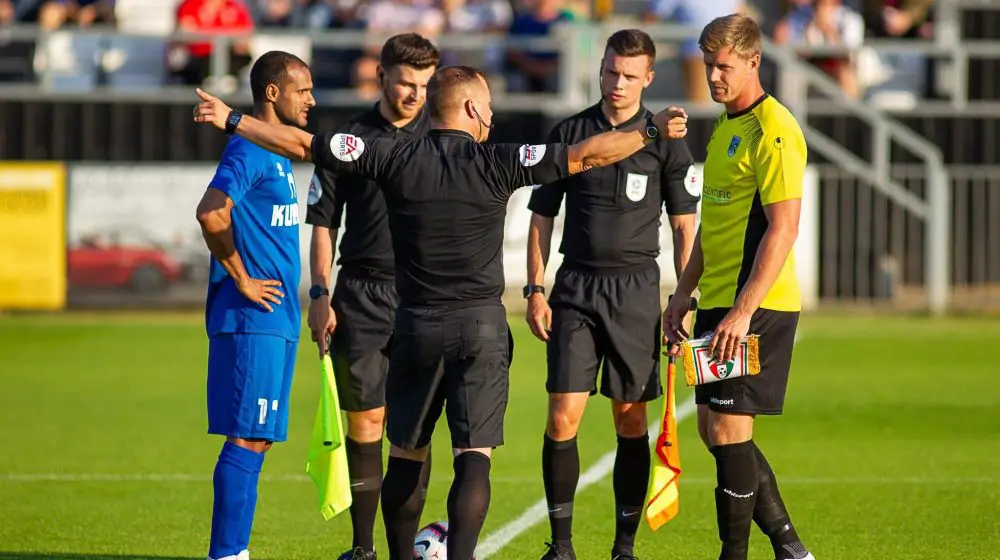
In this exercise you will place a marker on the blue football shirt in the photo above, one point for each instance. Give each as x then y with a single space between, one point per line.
265 223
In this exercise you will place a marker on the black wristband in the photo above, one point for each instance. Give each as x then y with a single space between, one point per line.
233 121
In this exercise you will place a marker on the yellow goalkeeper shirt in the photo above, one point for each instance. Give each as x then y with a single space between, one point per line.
755 157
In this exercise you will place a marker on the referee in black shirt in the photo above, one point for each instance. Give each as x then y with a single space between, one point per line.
605 302
447 197
364 299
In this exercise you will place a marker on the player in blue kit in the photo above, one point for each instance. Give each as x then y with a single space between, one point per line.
250 221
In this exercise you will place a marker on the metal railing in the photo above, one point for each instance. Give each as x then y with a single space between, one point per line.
795 78
578 46
567 40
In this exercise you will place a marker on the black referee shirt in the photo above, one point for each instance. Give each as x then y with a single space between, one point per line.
366 247
447 199
613 213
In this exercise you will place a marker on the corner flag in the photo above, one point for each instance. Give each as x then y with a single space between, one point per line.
665 497
327 460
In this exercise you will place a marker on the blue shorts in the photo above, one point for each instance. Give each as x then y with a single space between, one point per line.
249 383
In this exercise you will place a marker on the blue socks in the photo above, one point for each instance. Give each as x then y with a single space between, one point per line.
235 484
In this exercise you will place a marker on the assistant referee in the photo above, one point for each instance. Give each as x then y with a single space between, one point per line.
605 302
744 267
447 197
362 311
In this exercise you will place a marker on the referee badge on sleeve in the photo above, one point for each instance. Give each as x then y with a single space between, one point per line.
530 155
635 186
346 147
693 181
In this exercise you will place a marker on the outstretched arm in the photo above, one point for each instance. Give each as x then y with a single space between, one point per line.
613 146
289 141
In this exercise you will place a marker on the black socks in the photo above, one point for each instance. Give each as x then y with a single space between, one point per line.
771 516
560 474
631 477
735 496
468 502
402 502
364 462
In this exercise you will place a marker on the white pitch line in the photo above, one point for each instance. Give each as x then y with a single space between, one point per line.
539 510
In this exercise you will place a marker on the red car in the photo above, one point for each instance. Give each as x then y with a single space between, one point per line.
109 261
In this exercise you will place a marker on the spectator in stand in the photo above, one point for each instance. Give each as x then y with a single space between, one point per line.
898 18
6 11
530 71
312 14
695 14
825 23
385 18
191 62
53 14
910 75
477 16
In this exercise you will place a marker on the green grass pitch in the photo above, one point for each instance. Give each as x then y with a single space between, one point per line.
889 448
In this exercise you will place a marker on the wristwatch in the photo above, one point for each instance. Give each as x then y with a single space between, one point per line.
318 291
651 131
233 121
533 289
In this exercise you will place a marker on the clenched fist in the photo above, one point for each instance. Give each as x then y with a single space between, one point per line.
672 122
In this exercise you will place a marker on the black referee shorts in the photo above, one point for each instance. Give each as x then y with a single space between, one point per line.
456 360
611 317
763 393
365 312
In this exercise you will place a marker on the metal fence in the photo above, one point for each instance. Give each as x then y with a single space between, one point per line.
872 249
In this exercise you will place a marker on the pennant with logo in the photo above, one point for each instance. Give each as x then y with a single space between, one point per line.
664 500
700 367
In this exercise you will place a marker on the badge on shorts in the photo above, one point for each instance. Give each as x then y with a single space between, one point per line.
635 186
734 145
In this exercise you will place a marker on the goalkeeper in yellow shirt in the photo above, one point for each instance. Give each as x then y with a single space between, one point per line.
744 268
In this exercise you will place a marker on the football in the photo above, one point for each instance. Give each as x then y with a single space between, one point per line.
431 542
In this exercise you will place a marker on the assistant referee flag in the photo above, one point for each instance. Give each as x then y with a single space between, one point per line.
664 495
327 459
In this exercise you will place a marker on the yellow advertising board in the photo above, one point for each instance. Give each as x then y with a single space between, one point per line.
32 235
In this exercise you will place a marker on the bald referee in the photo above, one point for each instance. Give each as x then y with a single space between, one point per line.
744 267
446 195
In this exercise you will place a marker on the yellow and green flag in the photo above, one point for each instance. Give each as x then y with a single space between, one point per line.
327 460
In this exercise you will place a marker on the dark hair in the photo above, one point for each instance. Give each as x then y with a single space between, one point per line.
447 85
410 49
632 42
271 68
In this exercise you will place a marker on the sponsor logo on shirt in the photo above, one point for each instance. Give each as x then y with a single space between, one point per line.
717 195
530 155
284 215
346 147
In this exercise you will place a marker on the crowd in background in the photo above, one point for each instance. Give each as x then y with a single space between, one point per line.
798 23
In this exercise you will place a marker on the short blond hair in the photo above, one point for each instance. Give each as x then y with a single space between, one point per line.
737 31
